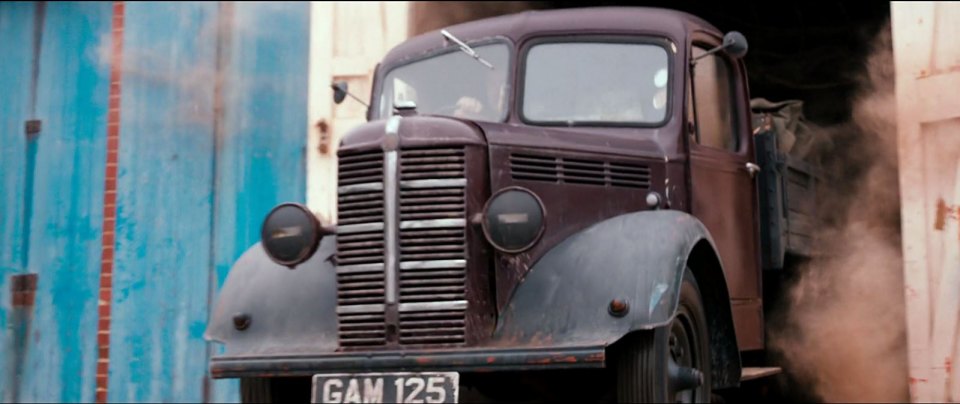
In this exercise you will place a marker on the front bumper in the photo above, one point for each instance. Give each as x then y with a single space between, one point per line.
461 360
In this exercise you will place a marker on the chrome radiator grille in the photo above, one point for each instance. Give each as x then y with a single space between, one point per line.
432 246
431 291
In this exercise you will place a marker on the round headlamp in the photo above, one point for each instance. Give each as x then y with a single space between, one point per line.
290 234
513 220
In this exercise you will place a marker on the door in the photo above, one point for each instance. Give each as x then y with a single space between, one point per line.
723 191
927 58
347 40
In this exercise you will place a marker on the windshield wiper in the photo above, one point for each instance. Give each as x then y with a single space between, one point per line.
465 48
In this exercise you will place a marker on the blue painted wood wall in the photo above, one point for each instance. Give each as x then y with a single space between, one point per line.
199 168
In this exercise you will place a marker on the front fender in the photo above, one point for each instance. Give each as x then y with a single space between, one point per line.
639 257
289 311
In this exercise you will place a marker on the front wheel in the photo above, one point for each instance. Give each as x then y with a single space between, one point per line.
670 363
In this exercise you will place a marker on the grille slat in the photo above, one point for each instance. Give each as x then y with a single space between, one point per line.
578 171
431 267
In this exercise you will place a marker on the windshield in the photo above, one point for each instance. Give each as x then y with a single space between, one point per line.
586 82
452 84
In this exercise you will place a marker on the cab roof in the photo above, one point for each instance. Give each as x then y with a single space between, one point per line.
597 20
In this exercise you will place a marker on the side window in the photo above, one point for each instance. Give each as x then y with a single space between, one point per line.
714 103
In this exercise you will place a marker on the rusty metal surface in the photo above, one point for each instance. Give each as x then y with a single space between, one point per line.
461 360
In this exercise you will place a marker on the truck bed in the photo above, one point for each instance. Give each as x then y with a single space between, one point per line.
787 189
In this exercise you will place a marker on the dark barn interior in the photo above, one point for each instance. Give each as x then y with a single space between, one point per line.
798 50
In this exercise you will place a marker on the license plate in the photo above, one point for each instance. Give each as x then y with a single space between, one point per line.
436 387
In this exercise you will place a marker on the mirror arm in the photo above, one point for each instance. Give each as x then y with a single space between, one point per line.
358 100
705 54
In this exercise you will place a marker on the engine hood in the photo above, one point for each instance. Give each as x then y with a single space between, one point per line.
416 131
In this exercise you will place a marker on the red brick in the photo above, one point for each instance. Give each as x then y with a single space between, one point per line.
107 254
103 339
113 103
112 156
103 352
101 395
106 295
109 198
113 115
113 142
103 368
108 238
111 183
104 324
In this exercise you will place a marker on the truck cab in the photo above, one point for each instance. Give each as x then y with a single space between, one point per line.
543 198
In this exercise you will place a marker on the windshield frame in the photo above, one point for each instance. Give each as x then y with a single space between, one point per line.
374 111
668 46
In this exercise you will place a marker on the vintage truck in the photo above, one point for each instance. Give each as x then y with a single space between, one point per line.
557 204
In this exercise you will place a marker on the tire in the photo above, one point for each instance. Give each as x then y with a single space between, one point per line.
643 366
255 391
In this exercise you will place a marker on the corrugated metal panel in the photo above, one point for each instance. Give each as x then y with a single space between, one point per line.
16 27
164 203
927 56
67 204
261 152
194 184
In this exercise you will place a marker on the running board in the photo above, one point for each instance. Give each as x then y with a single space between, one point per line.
756 373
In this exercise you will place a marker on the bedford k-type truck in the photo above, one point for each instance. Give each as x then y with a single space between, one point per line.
557 204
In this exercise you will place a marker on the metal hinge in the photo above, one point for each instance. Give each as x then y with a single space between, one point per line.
31 127
23 288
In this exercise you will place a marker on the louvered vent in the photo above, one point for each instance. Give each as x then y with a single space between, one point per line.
360 269
578 171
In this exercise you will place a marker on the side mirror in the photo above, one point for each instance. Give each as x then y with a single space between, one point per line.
735 44
339 91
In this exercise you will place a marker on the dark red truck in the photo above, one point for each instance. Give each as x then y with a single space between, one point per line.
558 204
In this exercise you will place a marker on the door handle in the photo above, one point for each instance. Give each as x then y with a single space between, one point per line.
753 169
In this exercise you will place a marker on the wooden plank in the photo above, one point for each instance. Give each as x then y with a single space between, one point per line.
936 104
67 203
926 55
321 167
165 203
352 39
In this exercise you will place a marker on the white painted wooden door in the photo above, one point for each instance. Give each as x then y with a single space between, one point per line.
926 39
347 39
